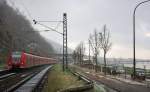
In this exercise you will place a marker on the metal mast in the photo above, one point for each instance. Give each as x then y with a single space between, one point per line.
65 52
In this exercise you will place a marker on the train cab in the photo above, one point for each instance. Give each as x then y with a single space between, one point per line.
16 59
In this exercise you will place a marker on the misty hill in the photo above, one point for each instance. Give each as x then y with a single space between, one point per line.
16 33
58 47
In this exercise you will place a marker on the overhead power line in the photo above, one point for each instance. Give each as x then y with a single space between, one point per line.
36 22
58 23
50 21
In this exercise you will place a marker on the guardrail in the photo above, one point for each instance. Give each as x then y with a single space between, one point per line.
89 84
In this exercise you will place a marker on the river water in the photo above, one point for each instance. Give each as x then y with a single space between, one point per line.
139 65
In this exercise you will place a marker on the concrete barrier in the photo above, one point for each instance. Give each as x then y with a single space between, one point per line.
78 89
31 85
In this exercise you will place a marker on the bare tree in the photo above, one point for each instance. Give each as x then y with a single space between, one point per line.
79 53
93 40
105 44
74 56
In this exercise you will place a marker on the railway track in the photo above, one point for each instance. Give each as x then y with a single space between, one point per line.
3 72
11 81
6 76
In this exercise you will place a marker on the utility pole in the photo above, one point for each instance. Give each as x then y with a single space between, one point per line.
96 51
64 34
89 52
80 56
65 52
105 51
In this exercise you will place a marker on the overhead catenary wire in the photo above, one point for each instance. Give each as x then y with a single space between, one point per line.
36 22
13 4
56 27
50 21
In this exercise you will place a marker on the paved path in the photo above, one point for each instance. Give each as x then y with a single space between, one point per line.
118 85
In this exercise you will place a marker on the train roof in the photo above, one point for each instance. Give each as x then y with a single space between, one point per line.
36 55
19 53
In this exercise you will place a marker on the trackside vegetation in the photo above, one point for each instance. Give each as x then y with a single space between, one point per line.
59 80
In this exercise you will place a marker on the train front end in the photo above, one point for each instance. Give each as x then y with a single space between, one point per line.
15 60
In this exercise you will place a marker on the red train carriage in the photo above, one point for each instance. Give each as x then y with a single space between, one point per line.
25 60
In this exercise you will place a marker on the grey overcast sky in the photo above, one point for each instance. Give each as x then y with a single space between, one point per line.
86 15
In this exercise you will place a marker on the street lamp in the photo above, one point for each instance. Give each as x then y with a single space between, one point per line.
134 62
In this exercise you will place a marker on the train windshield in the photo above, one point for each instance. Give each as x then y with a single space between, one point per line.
16 56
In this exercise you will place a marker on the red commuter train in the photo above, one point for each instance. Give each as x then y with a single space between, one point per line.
26 60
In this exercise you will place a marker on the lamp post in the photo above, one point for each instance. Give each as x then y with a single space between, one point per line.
134 60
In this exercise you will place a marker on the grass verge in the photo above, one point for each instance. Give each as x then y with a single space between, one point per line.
58 80
2 66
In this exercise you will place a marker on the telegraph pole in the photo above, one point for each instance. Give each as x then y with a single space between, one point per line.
65 51
96 51
64 34
89 52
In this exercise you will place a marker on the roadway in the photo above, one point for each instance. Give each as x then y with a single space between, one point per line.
115 84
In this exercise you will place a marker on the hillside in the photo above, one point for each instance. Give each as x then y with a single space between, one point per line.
58 48
17 34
